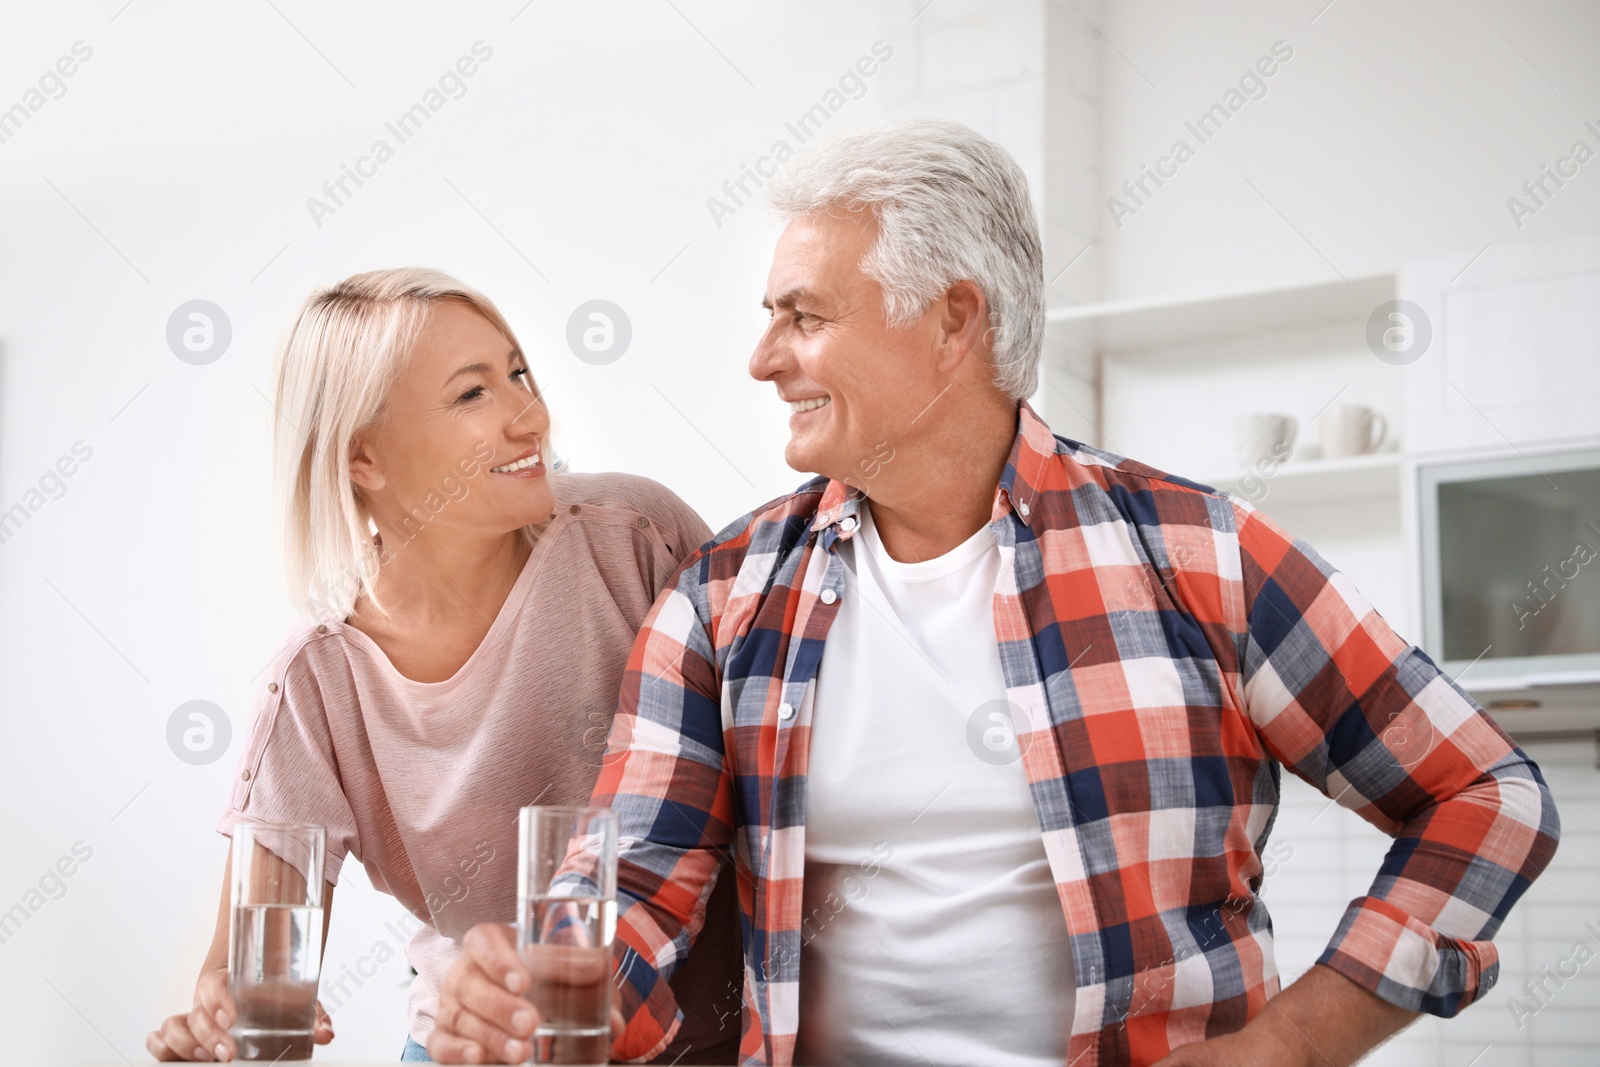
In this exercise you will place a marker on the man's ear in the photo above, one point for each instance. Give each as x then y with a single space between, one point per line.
964 328
364 469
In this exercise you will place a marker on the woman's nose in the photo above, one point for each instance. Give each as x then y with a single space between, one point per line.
532 418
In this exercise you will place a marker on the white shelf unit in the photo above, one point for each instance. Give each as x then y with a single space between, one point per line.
1313 480
1150 323
1161 381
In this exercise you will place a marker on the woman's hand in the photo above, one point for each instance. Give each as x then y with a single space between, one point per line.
201 1035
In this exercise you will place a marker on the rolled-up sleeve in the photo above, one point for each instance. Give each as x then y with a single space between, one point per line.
1371 721
665 776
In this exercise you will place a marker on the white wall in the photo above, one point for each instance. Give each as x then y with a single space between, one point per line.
1396 131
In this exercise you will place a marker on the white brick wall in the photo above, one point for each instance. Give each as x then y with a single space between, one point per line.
1072 152
1026 73
982 64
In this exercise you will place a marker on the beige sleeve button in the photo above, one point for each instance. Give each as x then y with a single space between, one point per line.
574 509
272 687
643 522
322 628
245 776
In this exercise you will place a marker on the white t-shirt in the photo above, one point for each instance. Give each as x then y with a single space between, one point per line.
932 931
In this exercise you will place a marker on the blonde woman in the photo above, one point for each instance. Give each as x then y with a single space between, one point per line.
468 619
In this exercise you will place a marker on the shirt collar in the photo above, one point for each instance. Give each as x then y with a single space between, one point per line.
1020 481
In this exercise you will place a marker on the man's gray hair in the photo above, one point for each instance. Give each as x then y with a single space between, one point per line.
951 206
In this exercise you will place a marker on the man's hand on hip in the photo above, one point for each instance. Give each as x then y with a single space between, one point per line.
1323 1019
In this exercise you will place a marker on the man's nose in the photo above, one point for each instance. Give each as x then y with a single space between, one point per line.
768 358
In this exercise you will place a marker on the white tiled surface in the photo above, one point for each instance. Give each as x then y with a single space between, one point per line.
1335 856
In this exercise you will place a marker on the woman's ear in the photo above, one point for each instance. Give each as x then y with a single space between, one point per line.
363 466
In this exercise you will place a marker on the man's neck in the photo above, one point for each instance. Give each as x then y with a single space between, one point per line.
934 495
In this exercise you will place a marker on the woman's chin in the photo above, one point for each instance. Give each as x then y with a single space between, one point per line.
540 507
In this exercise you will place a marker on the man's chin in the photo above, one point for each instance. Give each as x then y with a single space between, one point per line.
809 461
803 459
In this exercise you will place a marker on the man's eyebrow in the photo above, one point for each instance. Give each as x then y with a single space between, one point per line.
788 299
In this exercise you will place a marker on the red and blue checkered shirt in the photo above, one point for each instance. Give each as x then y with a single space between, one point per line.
1168 649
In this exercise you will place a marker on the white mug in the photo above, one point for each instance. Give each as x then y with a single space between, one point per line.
1351 430
1263 437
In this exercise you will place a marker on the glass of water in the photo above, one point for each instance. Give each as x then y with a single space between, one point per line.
275 942
566 922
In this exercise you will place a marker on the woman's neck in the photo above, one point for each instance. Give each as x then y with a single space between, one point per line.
438 576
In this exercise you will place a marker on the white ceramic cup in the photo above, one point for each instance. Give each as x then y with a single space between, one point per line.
1351 430
1262 437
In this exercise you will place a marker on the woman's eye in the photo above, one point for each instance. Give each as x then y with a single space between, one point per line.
520 372
471 394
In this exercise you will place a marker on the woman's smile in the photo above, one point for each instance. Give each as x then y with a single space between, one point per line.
527 465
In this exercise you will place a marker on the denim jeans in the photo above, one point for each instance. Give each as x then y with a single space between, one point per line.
414 1052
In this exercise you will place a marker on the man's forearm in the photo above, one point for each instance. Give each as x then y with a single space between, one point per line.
1323 1019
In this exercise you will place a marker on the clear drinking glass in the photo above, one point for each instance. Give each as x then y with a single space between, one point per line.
275 942
566 922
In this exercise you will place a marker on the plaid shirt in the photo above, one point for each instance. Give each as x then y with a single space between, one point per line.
1168 648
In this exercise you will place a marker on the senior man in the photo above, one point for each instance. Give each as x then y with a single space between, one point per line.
992 721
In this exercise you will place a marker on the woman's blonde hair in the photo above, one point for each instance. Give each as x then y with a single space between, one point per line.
335 366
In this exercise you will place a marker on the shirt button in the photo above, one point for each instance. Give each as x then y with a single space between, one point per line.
272 687
848 524
245 776
322 628
829 596
574 509
643 522
786 711
1023 507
